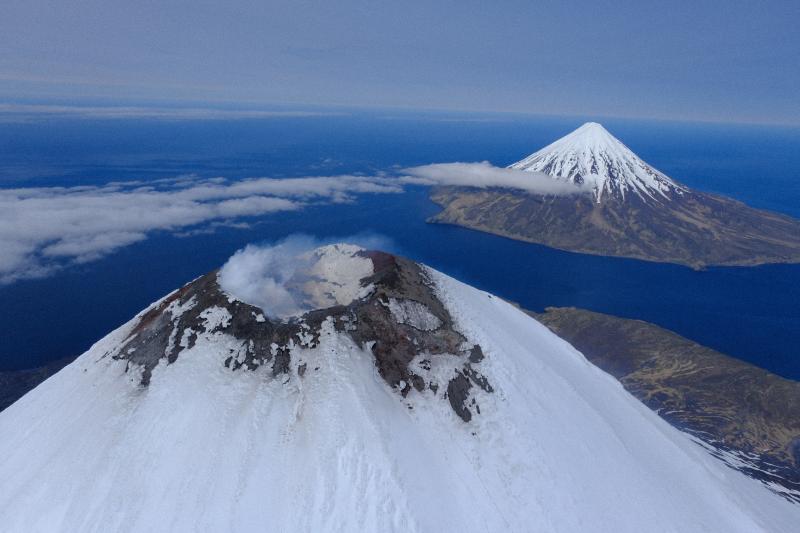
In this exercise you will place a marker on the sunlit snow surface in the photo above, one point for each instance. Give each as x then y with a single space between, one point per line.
590 155
559 446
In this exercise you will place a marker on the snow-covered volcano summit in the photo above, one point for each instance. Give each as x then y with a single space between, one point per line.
591 155
414 403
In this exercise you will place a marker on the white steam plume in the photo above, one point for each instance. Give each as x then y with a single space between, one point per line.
300 273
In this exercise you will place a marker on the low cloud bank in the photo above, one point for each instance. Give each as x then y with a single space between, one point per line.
44 229
484 174
290 277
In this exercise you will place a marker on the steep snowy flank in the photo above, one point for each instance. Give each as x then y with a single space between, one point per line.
591 155
422 405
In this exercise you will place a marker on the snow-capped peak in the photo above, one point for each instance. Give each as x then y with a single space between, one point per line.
423 405
591 155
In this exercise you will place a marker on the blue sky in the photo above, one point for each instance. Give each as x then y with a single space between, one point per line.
720 61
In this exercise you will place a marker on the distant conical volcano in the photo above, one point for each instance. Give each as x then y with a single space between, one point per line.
590 155
633 210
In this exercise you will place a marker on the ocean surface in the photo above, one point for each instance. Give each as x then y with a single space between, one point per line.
749 313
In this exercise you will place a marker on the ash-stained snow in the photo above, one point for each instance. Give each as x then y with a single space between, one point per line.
414 314
590 155
331 446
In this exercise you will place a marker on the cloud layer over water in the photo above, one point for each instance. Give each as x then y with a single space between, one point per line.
43 229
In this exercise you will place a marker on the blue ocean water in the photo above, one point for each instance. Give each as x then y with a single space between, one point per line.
750 313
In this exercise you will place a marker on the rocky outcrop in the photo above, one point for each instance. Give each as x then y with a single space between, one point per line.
401 322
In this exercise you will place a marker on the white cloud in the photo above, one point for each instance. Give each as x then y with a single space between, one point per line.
295 275
43 229
483 175
260 275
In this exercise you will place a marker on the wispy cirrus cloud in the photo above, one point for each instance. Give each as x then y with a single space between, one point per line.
31 112
43 229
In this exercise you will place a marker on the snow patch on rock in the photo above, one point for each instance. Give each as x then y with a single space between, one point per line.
215 317
414 314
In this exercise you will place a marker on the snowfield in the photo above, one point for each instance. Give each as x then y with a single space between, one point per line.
591 156
558 446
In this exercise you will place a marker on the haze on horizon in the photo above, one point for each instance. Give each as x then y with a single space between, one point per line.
719 61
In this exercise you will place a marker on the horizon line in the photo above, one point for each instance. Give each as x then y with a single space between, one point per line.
27 109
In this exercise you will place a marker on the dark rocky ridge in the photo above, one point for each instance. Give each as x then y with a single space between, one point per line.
691 228
173 326
732 406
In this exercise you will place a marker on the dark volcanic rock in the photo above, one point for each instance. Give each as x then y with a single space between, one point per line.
201 307
457 393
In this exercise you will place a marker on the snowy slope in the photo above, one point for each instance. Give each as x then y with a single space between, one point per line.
558 445
591 155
